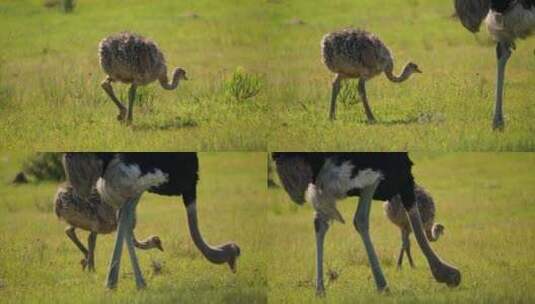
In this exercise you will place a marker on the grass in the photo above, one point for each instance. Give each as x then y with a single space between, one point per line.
447 108
50 95
485 201
39 264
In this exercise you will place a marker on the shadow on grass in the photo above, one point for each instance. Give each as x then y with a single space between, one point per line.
175 123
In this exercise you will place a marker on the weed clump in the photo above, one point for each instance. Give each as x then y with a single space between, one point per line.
242 85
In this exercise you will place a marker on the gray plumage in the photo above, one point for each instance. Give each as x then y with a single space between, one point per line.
506 21
355 53
133 59
92 215
396 214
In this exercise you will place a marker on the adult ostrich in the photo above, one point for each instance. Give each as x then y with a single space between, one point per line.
396 214
121 179
355 53
506 20
94 216
134 59
324 178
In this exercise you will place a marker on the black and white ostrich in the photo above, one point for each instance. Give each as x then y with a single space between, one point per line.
506 21
324 178
121 179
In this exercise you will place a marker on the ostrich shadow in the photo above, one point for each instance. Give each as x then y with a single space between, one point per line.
170 124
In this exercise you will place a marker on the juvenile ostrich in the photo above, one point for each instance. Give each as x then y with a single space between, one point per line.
506 20
121 179
396 214
130 58
324 178
355 53
91 215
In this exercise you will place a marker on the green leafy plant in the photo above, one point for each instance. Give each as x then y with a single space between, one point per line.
242 85
68 6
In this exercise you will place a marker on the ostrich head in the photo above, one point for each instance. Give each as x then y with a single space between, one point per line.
180 74
437 231
155 242
412 67
82 171
232 252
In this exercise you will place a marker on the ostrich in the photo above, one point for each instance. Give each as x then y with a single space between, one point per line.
131 58
506 21
355 53
121 179
397 215
324 178
94 216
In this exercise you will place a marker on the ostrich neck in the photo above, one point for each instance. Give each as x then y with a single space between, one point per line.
404 75
144 244
213 254
164 81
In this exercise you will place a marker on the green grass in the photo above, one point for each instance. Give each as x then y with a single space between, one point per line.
39 264
486 202
448 107
50 95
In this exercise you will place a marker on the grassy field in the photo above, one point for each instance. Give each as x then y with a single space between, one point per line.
50 95
486 202
39 264
448 107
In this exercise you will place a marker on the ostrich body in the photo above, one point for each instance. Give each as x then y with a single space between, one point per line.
355 53
325 178
133 59
506 20
396 214
121 179
94 216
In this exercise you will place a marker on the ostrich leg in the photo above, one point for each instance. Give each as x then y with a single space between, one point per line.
115 263
442 272
70 232
361 222
402 250
131 98
106 86
334 94
406 247
503 52
91 243
364 97
131 210
320 227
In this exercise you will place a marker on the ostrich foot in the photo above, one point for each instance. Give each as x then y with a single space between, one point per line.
320 292
444 273
498 124
122 115
87 263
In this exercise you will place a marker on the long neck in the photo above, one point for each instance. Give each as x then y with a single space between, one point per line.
213 254
164 81
404 75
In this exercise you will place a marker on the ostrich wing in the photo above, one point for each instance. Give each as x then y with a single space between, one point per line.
472 12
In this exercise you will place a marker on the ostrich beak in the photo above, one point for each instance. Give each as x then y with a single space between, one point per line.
159 246
417 70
